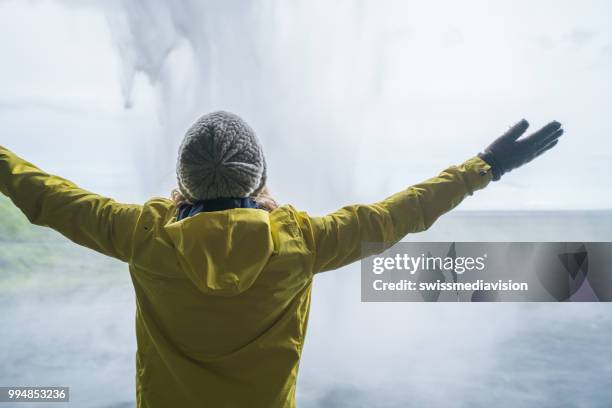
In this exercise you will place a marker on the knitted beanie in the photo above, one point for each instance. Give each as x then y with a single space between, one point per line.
220 156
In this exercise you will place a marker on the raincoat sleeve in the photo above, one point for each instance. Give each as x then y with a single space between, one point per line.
337 238
85 218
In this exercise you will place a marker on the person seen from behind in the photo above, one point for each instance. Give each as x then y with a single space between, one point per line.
223 274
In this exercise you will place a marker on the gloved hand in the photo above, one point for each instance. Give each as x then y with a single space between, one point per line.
507 153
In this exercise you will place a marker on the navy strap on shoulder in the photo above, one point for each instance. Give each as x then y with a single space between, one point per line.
216 204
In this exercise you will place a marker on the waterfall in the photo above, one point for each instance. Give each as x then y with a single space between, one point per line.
356 99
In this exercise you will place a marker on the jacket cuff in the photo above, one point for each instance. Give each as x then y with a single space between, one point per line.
477 173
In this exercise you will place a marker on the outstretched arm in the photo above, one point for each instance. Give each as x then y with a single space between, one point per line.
338 237
85 218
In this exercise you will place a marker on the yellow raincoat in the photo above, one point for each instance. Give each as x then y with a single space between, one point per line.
223 297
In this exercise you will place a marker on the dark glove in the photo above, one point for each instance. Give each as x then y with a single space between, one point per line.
507 153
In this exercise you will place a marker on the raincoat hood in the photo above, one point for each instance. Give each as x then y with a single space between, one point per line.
223 252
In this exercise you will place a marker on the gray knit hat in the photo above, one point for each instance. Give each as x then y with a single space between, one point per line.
220 157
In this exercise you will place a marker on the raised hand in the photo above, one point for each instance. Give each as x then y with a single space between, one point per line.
508 152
